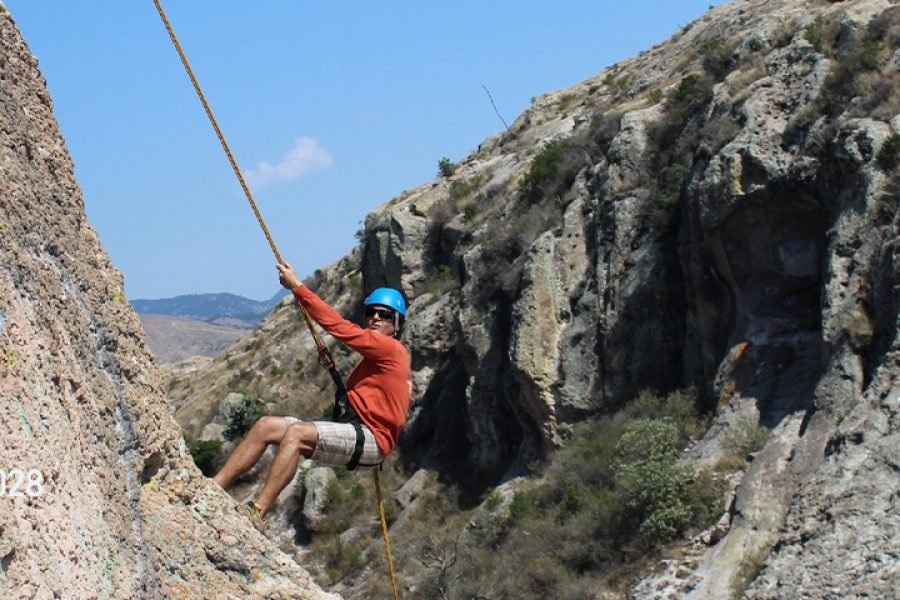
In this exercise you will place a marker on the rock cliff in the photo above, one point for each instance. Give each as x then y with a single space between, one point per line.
98 496
720 212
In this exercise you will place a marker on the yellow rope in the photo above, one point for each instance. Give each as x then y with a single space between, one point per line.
324 355
384 533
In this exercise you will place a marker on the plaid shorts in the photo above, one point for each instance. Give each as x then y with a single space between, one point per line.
337 441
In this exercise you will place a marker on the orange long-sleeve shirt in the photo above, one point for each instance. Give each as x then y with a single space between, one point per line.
378 389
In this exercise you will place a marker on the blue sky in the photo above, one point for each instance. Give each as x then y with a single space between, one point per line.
331 108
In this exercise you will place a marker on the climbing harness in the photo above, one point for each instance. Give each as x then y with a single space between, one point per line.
324 355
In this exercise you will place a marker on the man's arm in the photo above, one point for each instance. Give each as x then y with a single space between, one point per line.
370 344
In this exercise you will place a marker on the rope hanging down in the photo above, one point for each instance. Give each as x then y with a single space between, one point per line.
325 357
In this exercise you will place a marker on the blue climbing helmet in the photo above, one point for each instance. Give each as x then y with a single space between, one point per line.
387 297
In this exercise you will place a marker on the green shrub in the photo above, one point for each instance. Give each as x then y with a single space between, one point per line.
341 558
664 495
729 463
444 281
651 481
391 511
521 506
334 496
679 407
493 500
815 33
647 439
446 167
445 274
300 479
742 439
784 34
205 453
863 56
655 95
705 496
757 44
616 490
889 153
242 416
358 490
573 500
686 87
565 101
716 55
544 166
855 73
687 99
458 191
671 179
645 484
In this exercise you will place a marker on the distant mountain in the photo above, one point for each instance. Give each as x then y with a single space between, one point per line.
220 309
200 324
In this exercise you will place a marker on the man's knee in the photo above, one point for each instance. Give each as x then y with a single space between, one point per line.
301 435
268 429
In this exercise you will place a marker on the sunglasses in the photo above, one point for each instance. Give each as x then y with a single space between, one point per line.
382 313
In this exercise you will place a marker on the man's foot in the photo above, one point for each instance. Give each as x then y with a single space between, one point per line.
253 511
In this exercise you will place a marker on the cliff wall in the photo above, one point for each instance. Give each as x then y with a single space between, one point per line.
720 212
110 504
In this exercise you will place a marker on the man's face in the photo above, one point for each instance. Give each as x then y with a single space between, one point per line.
380 319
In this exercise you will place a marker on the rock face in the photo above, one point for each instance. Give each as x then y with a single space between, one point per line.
719 212
109 503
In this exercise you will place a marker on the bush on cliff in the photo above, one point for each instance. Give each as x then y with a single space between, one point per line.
605 502
242 416
544 166
205 453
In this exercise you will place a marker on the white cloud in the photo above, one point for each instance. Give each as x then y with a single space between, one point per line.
304 158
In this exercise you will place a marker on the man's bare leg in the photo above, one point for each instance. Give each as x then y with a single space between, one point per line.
300 438
267 430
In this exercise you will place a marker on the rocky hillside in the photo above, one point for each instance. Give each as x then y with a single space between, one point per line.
718 214
99 497
173 339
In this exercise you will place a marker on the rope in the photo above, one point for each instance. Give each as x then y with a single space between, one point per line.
325 357
384 533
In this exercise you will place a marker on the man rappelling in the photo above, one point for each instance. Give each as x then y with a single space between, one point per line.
369 416
377 393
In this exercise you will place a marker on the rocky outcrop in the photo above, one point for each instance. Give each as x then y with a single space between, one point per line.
718 212
109 503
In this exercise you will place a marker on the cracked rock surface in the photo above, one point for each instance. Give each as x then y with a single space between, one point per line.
111 505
